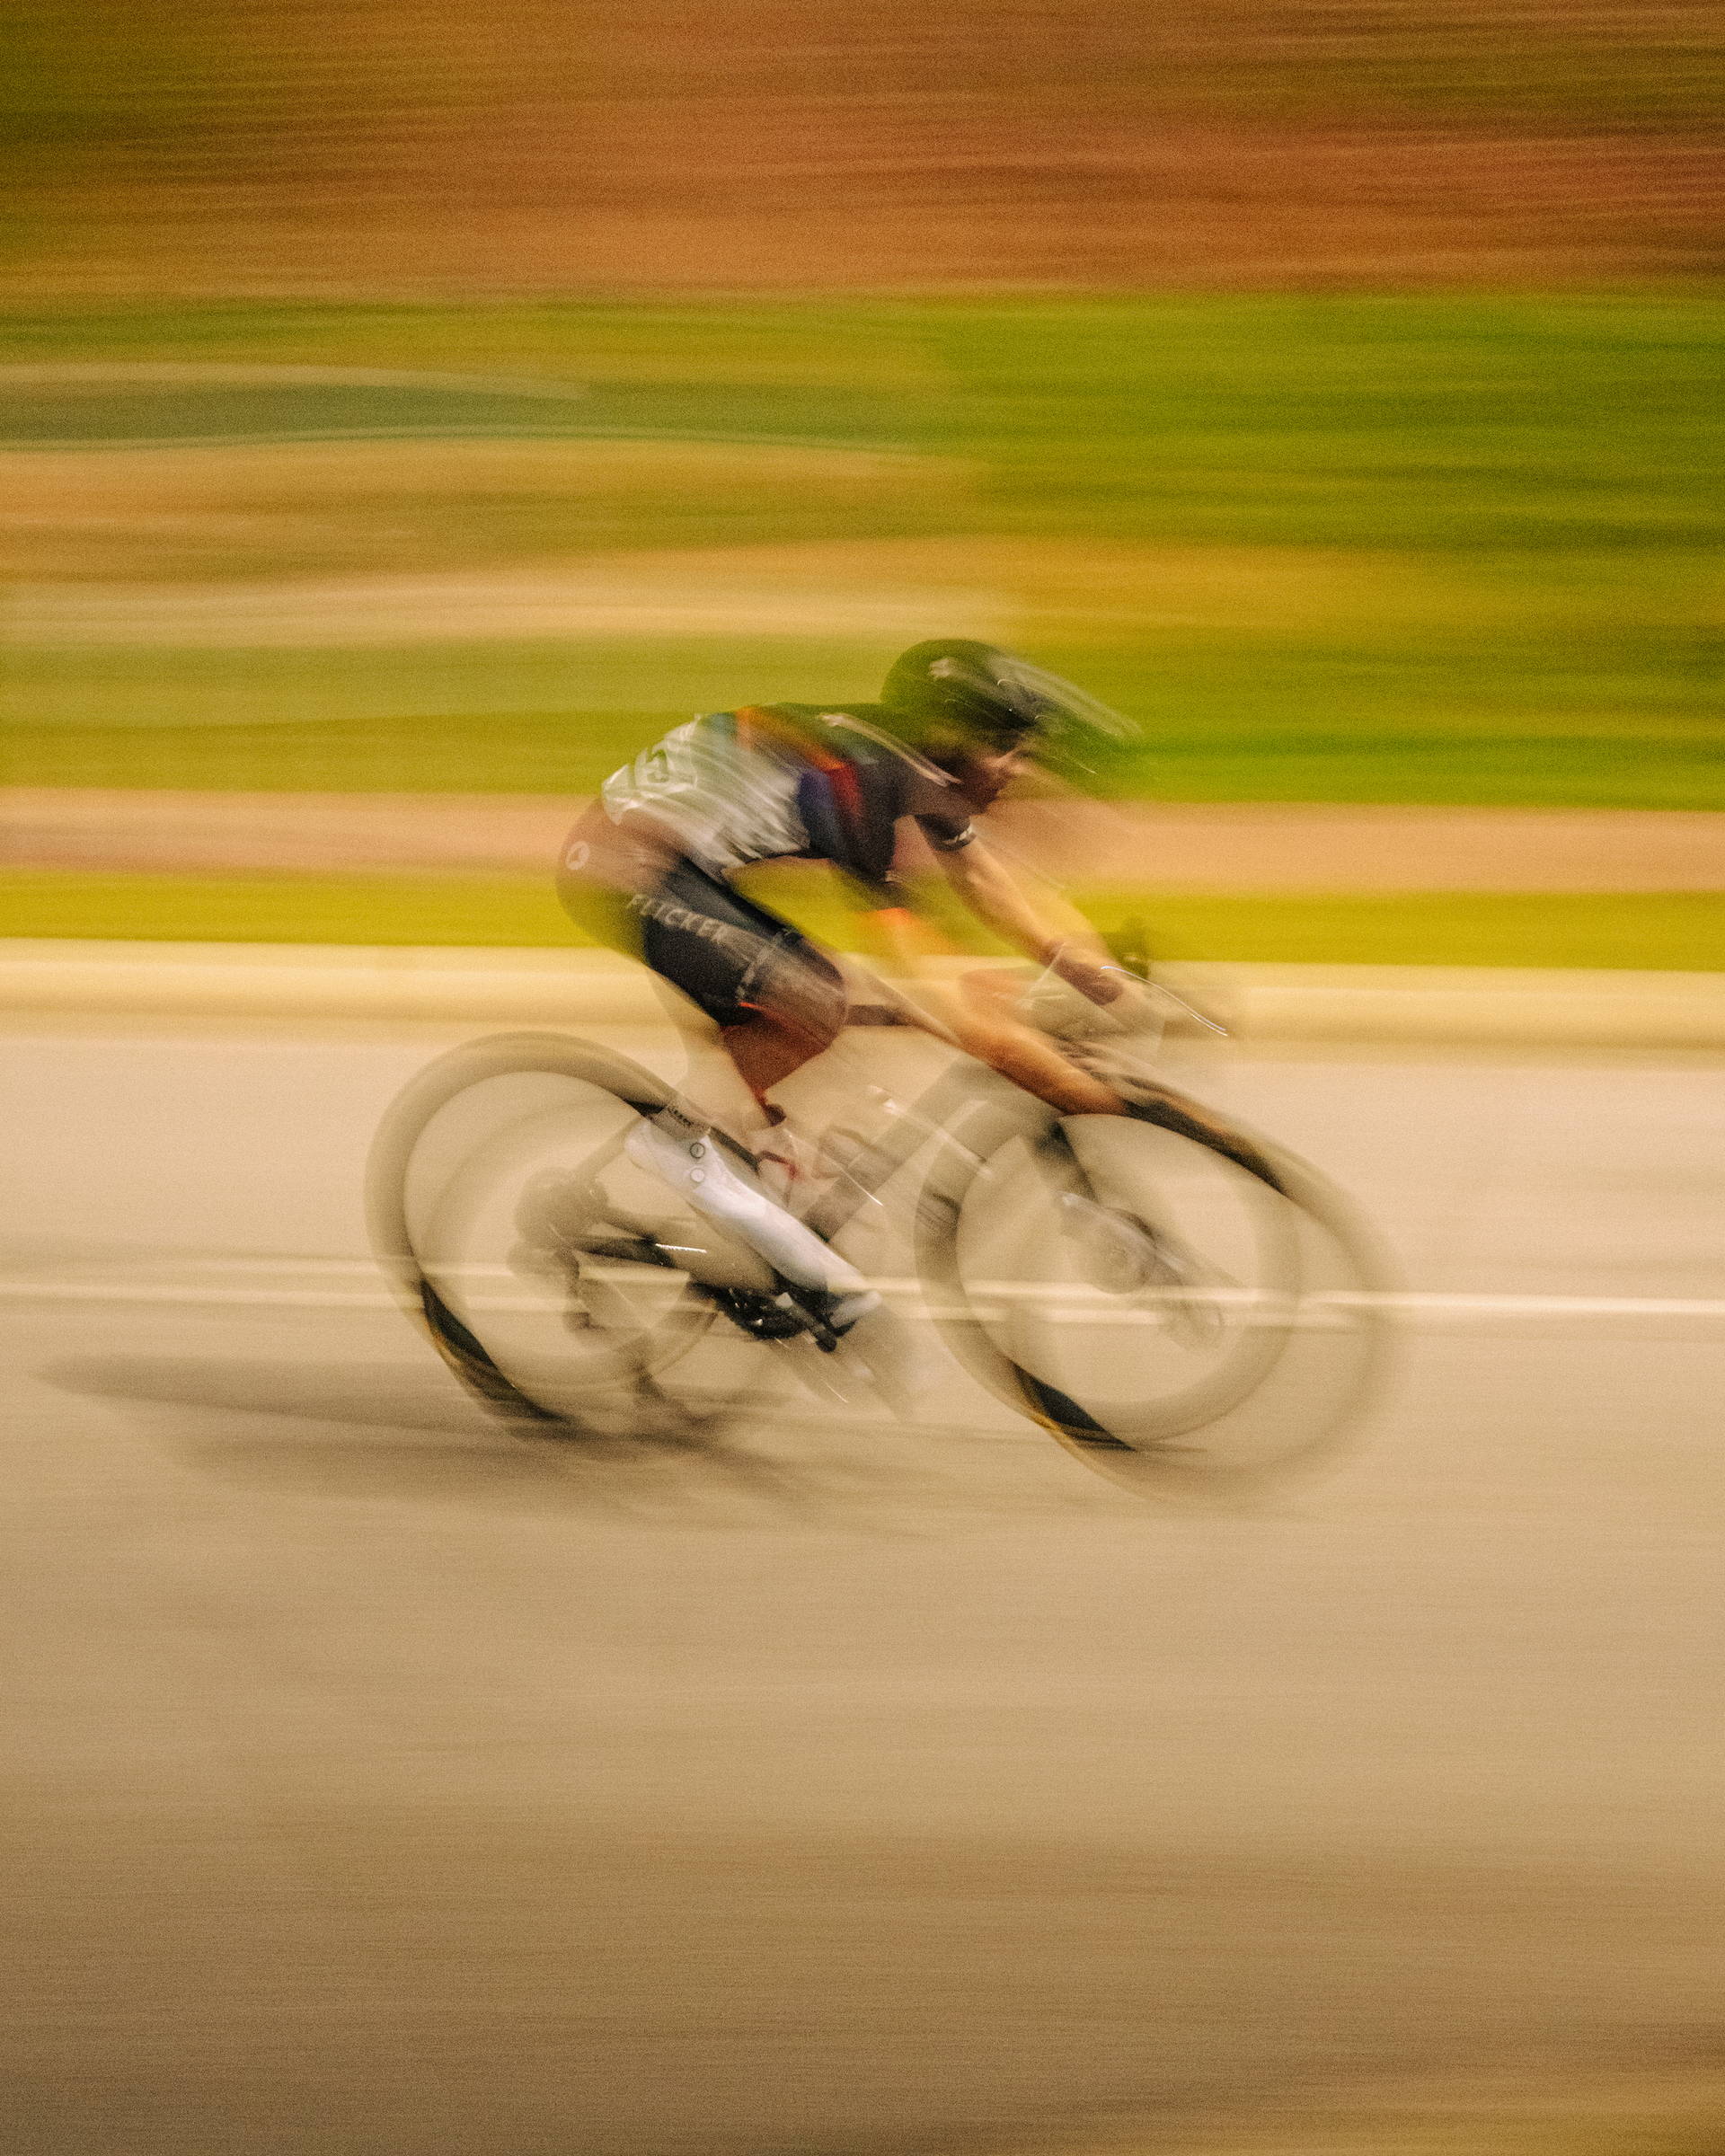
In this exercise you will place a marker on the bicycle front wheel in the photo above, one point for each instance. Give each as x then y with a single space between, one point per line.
1174 1301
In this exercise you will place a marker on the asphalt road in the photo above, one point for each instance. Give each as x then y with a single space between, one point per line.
378 1781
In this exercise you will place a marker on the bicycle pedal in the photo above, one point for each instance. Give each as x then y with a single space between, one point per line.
761 1316
830 1318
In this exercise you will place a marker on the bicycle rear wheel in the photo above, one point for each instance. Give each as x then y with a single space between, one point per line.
547 1267
1177 1303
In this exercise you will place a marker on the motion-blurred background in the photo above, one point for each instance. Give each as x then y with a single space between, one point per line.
403 399
407 409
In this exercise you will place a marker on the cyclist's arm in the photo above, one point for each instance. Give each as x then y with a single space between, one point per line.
983 1026
1046 929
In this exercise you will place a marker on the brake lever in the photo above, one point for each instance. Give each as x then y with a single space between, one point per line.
1188 1009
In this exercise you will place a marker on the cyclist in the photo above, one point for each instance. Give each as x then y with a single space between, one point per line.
648 870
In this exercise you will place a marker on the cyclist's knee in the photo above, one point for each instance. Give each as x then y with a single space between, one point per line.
802 995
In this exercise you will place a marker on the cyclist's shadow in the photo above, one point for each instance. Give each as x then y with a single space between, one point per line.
352 1431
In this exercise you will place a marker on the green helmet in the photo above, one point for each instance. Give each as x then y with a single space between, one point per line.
953 686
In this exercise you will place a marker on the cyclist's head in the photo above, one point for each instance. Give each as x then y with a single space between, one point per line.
974 709
953 692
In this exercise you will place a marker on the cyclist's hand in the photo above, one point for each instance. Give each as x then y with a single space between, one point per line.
1099 981
1114 1001
1133 1009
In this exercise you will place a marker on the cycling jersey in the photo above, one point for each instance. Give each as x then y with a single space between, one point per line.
789 780
800 782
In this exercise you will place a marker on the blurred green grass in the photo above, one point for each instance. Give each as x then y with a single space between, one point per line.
1422 548
1680 930
1436 758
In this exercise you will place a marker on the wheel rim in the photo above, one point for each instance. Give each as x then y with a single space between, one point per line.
1252 1362
521 1221
453 1160
1146 1279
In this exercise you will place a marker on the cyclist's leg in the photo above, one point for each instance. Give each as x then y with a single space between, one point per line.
795 1010
776 999
773 999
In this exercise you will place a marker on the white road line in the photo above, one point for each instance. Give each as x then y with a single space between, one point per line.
277 1298
1414 1301
1408 1303
281 1267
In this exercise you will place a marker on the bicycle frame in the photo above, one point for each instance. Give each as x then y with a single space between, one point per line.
969 1108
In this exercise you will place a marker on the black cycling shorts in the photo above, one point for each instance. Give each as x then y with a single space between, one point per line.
731 958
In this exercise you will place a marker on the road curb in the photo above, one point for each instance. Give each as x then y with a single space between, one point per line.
1409 1005
1479 1005
305 980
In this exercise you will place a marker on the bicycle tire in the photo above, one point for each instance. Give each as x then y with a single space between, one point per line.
458 1339
1340 1275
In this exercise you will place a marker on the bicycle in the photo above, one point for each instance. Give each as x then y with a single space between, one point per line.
1179 1302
